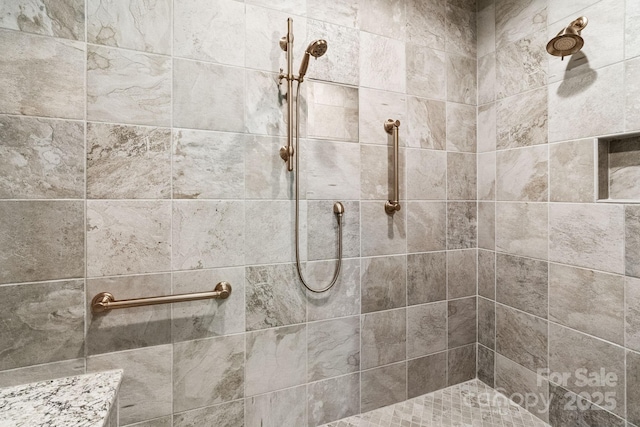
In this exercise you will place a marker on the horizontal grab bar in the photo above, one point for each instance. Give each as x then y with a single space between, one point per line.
104 301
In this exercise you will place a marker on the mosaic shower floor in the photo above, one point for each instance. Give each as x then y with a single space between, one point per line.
470 404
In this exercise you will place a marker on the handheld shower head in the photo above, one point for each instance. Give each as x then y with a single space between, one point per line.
568 41
316 48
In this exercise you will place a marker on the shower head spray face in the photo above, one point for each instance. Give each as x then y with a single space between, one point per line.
568 41
316 48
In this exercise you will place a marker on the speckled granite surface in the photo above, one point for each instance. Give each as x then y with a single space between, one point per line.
79 401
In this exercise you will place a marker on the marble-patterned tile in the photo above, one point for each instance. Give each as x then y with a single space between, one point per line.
487 176
597 95
325 405
338 64
426 72
633 386
587 236
330 169
461 273
43 322
128 87
426 277
487 323
632 38
145 391
41 158
63 19
321 242
128 162
332 112
383 336
269 231
487 132
207 234
194 93
461 79
383 283
265 174
207 371
426 174
376 175
486 26
522 65
588 301
521 174
391 12
516 19
275 359
461 364
521 337
567 409
426 374
426 329
461 323
461 127
41 240
280 408
45 372
632 240
487 78
461 176
203 319
209 31
383 63
462 224
487 225
341 12
461 33
125 237
284 6
265 108
487 274
383 386
333 348
47 82
557 11
208 165
522 120
426 23
136 25
427 126
571 171
426 226
521 229
623 171
274 296
514 381
344 297
229 414
522 283
632 313
570 351
382 234
377 106
486 365
632 90
132 328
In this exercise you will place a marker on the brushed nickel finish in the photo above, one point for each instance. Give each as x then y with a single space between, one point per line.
286 43
104 301
569 40
392 206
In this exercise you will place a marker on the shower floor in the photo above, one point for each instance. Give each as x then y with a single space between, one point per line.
472 404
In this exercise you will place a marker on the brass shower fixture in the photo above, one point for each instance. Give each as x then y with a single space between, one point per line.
568 41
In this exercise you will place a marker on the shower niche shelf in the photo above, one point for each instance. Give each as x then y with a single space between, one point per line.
618 168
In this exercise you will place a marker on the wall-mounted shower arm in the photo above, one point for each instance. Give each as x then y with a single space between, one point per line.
391 127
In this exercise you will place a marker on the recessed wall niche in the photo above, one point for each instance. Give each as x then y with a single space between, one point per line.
618 168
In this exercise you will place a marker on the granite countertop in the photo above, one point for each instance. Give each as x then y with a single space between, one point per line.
79 401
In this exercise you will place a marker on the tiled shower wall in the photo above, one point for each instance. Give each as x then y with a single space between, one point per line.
558 272
139 155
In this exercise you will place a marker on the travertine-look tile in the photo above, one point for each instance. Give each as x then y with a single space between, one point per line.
376 181
461 33
325 405
145 391
330 170
333 348
382 63
515 19
632 90
224 415
522 283
462 224
426 277
338 65
382 234
521 229
487 128
384 337
41 158
461 127
426 329
426 174
487 78
632 42
194 93
461 364
128 162
426 226
426 72
632 240
132 328
633 386
486 323
567 409
426 23
383 386
588 301
47 82
623 171
280 408
377 106
125 237
486 363
521 337
632 313
344 298
426 124
393 13
136 25
266 106
41 240
341 12
128 87
275 359
522 120
487 176
37 373
265 174
269 231
487 225
461 273
461 79
587 236
384 283
332 112
461 176
522 65
208 165
513 380
322 229
571 171
487 274
59 18
207 234
43 322
426 374
207 371
522 174
462 322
